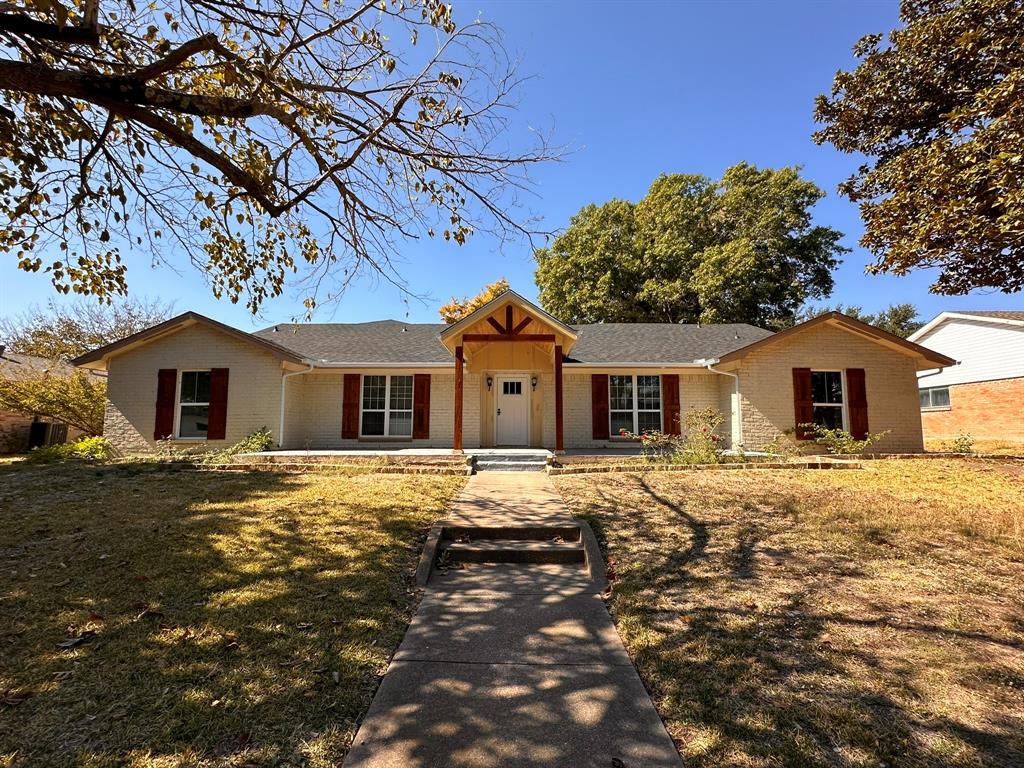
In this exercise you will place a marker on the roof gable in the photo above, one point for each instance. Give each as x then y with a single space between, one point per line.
485 313
97 358
850 325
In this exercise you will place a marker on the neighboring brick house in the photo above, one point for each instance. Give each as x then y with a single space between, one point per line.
984 395
509 374
15 427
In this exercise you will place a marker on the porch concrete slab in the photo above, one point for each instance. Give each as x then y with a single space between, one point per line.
529 629
442 715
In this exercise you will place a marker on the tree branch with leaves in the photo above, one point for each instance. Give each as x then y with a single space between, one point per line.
257 141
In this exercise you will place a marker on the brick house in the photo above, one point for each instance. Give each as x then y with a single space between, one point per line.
509 374
984 395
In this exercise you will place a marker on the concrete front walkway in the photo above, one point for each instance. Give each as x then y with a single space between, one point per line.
512 665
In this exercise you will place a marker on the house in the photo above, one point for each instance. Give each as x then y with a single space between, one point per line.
509 374
984 395
19 431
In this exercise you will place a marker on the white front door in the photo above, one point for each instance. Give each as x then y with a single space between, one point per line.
512 410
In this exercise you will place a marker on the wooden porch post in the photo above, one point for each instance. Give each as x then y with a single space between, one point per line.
457 437
559 431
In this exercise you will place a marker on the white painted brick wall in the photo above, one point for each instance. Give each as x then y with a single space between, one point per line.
766 383
254 386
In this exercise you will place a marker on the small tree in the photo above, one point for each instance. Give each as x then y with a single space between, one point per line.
65 332
456 309
77 399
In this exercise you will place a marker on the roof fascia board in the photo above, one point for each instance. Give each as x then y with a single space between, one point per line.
568 364
851 325
943 317
173 325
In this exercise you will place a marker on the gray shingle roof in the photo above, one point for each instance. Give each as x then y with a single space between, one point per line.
1004 314
392 341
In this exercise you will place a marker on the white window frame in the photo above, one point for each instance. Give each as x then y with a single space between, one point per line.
178 404
636 409
843 405
411 410
931 407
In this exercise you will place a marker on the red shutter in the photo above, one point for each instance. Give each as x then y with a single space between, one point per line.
599 405
670 404
350 407
803 401
421 406
166 388
218 421
857 403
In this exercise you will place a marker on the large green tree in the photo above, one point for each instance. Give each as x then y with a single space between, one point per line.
742 248
253 140
938 108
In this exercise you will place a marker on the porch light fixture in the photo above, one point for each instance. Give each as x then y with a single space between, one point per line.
490 381
533 382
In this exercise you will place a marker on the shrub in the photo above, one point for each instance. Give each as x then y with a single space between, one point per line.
254 442
839 442
85 449
964 443
698 445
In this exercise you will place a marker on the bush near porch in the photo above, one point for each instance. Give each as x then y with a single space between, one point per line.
787 618
156 618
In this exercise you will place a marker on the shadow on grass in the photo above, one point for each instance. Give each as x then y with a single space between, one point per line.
762 647
213 618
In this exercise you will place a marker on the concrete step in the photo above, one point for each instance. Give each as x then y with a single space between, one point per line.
469 533
508 551
510 465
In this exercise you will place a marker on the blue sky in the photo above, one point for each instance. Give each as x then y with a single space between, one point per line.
637 89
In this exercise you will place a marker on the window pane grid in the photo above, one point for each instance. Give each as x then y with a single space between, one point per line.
194 404
827 395
634 403
387 406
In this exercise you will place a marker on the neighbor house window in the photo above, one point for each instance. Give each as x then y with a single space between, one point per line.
935 397
634 403
194 404
827 392
387 406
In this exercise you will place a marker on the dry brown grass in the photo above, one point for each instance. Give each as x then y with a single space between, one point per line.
1000 447
833 618
229 619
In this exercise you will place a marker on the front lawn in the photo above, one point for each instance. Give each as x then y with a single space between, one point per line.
153 618
832 618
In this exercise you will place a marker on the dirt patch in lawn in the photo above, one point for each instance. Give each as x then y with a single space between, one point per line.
154 618
823 618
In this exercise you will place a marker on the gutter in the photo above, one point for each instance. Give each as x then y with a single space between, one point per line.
708 363
284 389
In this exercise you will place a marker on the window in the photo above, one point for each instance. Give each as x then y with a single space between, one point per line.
935 397
387 406
194 404
634 403
827 393
511 387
